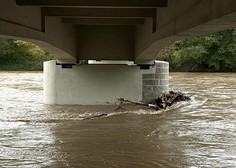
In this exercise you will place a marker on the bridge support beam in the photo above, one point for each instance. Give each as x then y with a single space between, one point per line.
93 84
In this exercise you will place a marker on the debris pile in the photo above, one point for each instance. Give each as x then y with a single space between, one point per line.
161 102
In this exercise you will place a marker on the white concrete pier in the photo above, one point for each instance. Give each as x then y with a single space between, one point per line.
92 84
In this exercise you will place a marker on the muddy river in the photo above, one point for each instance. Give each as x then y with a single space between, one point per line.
198 133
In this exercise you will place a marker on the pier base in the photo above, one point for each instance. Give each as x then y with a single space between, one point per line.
99 84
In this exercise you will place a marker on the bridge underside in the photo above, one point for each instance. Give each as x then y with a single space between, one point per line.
102 30
131 30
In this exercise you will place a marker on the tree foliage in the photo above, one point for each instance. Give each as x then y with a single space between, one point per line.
20 55
214 52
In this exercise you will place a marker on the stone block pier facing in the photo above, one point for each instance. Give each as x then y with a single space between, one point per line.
154 84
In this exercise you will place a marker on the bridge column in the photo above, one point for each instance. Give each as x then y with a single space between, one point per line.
92 84
157 82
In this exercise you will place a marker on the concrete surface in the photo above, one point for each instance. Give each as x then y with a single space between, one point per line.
91 84
102 84
75 30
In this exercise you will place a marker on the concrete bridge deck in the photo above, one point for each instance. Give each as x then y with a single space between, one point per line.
134 30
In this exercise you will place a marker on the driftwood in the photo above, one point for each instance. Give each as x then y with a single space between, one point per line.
96 116
122 100
161 102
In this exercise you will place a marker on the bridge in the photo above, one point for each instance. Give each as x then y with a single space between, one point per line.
114 30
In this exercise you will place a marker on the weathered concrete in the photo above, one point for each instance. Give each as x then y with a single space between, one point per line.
162 22
154 84
92 3
109 41
91 84
103 83
103 21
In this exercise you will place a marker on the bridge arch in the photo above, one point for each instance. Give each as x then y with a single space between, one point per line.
19 32
194 18
114 30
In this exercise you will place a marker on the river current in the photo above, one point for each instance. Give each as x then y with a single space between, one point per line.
198 133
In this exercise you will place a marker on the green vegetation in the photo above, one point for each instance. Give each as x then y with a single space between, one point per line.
211 53
19 55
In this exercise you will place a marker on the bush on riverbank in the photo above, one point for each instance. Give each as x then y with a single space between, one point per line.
19 55
211 53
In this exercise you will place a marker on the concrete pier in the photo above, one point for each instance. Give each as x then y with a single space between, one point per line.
91 84
98 84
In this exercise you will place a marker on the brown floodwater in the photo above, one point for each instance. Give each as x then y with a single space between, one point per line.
198 133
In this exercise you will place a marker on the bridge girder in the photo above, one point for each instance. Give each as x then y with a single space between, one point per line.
100 16
96 3
103 21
